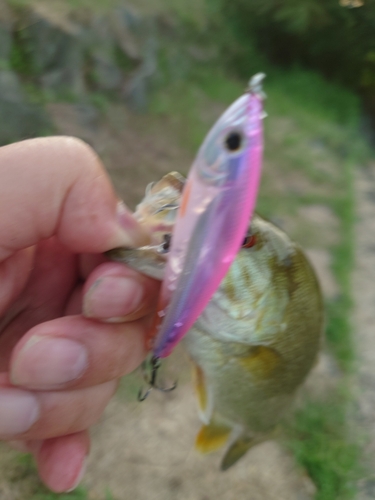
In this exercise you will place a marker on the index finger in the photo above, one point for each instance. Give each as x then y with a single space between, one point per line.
58 186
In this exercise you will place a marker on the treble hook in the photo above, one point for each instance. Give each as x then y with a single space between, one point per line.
155 365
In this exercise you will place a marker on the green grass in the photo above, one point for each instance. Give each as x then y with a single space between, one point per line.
339 327
321 444
25 468
78 494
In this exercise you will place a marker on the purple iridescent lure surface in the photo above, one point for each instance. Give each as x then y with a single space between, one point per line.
218 200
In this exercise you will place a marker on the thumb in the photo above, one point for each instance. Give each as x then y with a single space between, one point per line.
58 186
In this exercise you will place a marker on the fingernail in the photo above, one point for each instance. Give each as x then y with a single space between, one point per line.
19 410
79 477
46 363
112 297
134 235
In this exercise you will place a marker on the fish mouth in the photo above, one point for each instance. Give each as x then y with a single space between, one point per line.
149 260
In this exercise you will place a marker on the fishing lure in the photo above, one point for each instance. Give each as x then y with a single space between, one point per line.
218 200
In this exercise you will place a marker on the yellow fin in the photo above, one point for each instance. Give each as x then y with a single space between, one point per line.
236 451
261 361
200 387
211 437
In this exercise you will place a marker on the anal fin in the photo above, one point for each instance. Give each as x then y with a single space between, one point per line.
236 451
211 437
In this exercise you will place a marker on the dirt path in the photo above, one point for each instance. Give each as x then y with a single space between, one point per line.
145 452
364 320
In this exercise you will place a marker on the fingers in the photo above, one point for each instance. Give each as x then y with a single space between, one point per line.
61 461
77 352
115 293
44 297
28 415
57 186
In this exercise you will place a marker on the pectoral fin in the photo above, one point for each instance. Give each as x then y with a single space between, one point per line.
205 403
211 437
236 451
261 361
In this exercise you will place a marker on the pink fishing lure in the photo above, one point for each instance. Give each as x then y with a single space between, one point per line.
217 202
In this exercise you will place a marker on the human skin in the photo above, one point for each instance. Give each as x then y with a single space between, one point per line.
71 324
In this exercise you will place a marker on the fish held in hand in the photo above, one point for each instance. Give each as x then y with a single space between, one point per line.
258 337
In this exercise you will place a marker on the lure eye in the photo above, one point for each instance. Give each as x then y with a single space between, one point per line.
233 141
249 241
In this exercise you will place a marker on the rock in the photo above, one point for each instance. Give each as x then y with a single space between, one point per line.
56 49
19 119
136 89
105 73
126 27
135 39
122 49
10 86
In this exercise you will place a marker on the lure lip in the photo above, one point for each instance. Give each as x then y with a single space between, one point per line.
221 188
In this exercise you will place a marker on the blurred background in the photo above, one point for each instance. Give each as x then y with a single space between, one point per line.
142 81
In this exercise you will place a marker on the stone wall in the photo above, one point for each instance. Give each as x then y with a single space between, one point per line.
47 54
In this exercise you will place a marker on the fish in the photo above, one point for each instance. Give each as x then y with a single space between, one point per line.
258 337
218 199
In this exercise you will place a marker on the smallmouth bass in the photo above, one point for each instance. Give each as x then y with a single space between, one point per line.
257 338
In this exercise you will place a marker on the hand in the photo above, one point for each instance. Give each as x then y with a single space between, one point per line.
58 366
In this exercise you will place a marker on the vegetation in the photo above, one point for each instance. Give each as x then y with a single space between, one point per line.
321 444
319 34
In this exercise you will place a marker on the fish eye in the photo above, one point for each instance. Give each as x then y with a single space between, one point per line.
166 242
233 141
249 241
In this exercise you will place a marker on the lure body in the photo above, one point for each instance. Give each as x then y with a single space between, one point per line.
217 202
258 336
